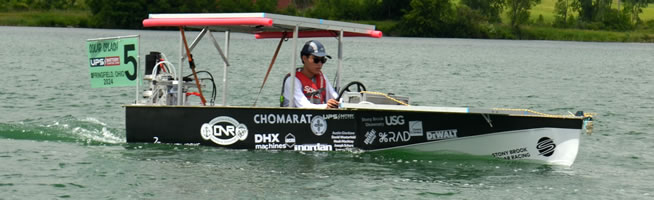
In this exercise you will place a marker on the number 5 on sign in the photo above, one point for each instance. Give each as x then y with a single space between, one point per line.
113 61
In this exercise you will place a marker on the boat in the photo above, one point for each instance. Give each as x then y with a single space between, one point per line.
364 121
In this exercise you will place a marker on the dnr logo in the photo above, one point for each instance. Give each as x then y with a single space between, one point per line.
224 130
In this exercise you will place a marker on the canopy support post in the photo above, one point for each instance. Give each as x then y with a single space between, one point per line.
196 40
180 75
292 97
220 51
139 77
225 65
339 71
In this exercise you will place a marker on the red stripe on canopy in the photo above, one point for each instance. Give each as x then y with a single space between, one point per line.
207 22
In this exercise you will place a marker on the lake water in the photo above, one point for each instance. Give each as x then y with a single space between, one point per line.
61 139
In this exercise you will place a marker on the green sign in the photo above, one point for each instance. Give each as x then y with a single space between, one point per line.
113 61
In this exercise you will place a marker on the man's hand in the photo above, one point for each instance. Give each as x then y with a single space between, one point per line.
332 103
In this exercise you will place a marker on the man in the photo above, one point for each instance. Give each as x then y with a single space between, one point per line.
312 89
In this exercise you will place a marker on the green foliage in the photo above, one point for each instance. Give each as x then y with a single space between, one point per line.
359 9
634 8
469 23
491 9
389 9
616 20
56 18
25 5
420 18
265 6
540 21
563 11
231 6
592 10
428 18
118 13
519 11
549 33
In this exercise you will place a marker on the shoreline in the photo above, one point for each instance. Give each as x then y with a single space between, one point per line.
82 19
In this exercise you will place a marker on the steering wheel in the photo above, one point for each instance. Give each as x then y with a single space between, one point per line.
360 88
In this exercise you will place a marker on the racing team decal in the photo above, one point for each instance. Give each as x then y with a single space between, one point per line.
546 146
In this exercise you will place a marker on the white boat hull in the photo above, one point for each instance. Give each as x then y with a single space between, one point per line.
513 145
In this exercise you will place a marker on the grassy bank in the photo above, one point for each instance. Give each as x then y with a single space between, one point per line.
53 18
546 8
549 33
545 32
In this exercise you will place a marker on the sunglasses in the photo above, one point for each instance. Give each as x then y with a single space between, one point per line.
319 59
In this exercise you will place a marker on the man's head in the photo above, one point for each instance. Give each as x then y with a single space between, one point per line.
314 48
313 56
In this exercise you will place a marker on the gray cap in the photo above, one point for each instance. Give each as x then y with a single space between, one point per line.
314 48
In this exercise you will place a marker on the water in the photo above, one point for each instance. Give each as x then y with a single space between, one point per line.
61 139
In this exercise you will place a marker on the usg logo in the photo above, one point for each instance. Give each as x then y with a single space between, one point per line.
545 146
224 130
394 120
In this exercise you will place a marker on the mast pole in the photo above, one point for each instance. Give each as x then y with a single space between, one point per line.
292 97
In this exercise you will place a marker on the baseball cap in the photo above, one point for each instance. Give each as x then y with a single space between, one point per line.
314 48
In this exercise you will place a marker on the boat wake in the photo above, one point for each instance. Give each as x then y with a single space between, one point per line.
90 131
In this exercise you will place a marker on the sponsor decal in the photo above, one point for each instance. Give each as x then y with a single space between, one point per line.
112 61
394 120
343 139
313 147
268 141
289 140
394 137
282 119
545 146
97 62
442 134
338 116
370 137
373 121
105 61
513 154
224 130
309 90
318 125
415 128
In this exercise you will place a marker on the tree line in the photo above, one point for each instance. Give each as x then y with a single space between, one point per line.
421 18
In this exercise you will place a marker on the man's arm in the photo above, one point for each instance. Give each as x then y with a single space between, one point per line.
332 102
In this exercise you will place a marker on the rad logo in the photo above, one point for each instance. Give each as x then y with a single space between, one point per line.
224 130
394 120
394 137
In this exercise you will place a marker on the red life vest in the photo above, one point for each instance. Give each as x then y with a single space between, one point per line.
315 92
